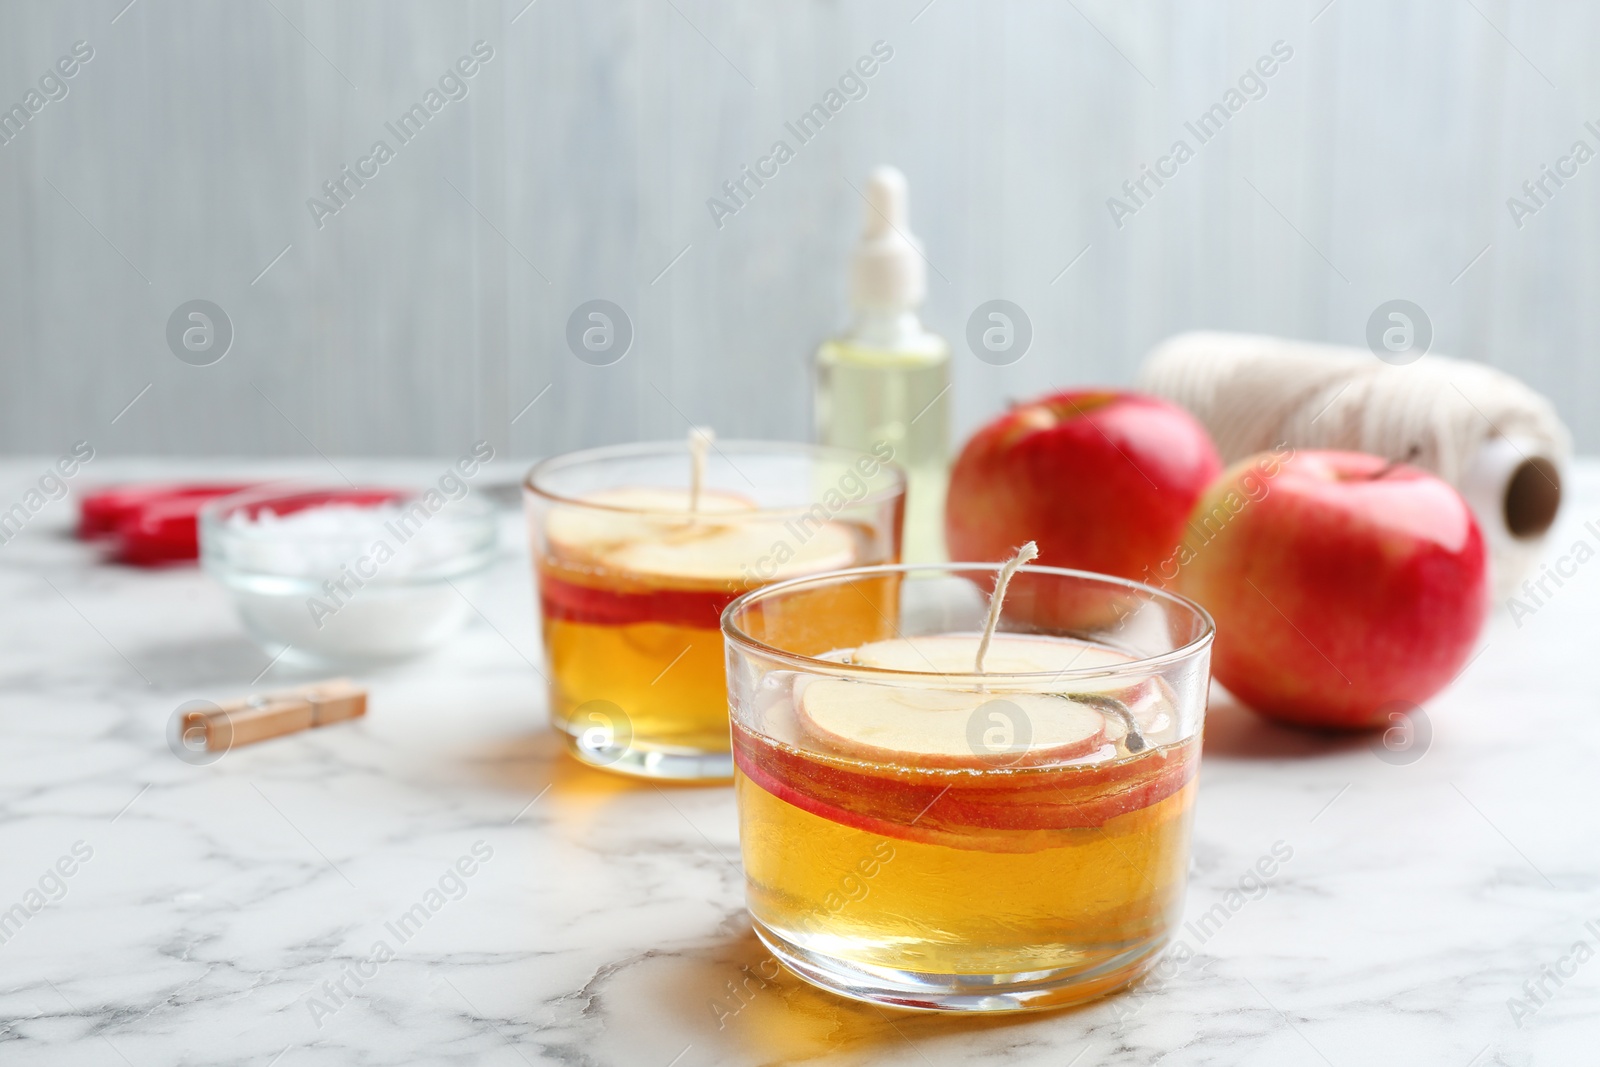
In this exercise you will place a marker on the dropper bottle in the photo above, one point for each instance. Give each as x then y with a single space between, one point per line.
887 378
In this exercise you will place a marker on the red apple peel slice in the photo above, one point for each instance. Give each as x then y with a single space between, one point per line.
1021 812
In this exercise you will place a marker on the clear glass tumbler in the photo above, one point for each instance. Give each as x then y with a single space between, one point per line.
919 833
635 559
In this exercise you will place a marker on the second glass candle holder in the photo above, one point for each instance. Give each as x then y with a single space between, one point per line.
637 550
935 814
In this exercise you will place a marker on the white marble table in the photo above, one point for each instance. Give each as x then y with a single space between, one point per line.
222 903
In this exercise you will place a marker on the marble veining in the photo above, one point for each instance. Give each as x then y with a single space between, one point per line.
1427 912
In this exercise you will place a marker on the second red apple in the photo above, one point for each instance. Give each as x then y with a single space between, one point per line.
1343 586
1103 481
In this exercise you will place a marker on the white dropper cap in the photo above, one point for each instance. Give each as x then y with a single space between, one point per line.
887 272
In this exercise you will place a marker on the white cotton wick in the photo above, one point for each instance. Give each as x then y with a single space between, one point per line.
700 438
1492 437
1025 554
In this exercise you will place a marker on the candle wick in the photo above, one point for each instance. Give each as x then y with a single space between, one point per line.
1025 554
700 438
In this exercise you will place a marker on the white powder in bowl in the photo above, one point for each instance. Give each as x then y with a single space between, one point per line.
343 581
402 540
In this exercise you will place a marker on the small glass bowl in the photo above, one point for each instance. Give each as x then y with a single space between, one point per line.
326 575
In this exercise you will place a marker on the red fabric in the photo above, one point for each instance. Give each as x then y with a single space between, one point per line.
156 524
101 513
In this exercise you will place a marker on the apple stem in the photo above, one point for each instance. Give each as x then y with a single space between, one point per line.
1135 741
1026 553
700 438
1412 453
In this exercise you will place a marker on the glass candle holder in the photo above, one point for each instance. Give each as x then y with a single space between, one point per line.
635 559
331 575
916 832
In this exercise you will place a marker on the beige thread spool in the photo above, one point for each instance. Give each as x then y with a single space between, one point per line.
1497 441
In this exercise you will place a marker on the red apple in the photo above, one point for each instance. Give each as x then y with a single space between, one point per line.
1339 583
1102 480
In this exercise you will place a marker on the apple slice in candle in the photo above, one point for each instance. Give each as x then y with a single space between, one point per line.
624 514
725 548
947 728
659 538
1008 654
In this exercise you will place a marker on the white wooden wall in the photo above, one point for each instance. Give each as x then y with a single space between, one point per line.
433 307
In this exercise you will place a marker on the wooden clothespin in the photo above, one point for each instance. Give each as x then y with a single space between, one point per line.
251 719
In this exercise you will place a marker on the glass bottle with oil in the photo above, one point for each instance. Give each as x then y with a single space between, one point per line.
887 378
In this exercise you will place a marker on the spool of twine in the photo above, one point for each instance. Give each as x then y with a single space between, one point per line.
1497 441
